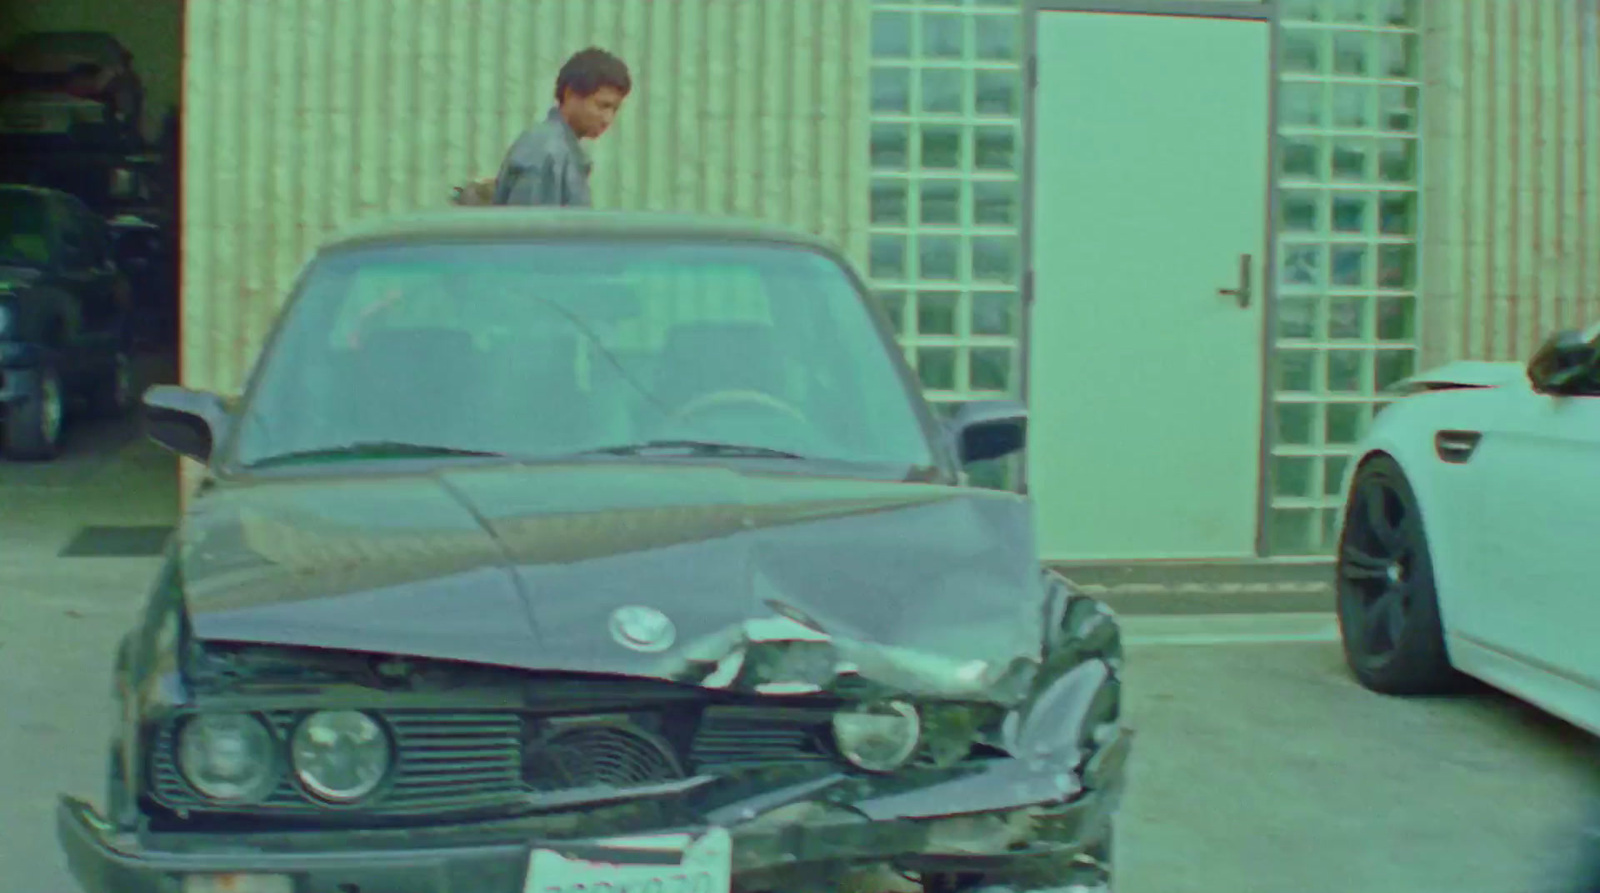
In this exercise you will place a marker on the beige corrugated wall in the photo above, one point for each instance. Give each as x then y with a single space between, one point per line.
303 115
1511 175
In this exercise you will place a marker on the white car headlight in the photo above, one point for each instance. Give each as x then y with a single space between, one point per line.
341 755
228 757
878 737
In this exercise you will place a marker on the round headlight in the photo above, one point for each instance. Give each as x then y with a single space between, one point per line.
878 737
340 755
227 757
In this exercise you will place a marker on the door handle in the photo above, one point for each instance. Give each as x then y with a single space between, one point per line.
1242 293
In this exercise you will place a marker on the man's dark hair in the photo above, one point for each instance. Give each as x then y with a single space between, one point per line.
589 70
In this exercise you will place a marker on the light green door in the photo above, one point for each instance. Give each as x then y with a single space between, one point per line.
1150 195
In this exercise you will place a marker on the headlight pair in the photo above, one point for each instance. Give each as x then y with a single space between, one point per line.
339 756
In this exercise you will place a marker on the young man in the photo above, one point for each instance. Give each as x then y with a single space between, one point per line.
547 165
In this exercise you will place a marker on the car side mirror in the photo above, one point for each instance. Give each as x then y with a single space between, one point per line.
988 429
184 421
1563 359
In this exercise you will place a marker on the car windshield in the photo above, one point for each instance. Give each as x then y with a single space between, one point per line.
548 350
24 228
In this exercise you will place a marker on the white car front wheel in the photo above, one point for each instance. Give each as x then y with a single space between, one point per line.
1388 605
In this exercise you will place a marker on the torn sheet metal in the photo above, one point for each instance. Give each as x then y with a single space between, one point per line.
779 655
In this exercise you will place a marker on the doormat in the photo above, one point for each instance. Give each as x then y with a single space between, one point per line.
118 542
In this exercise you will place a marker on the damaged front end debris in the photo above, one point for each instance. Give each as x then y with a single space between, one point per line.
819 756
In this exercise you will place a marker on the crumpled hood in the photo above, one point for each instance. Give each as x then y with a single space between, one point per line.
779 583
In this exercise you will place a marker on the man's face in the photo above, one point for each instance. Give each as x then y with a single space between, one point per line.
590 116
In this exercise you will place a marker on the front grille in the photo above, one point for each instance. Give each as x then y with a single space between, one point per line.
734 738
444 760
612 754
466 760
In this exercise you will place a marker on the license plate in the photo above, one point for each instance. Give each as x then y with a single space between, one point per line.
676 863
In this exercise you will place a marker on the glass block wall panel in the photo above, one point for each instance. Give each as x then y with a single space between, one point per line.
946 206
1348 218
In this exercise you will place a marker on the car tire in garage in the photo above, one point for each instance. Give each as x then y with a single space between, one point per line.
1387 603
34 427
117 389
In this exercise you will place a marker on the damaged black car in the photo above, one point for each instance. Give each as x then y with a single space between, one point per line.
557 551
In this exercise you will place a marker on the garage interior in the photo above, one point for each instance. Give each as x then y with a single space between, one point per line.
110 494
152 32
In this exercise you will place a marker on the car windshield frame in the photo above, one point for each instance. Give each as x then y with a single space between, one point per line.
226 462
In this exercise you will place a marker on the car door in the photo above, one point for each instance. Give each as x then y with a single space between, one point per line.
1538 470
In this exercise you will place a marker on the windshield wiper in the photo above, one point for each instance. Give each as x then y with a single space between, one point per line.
375 449
694 448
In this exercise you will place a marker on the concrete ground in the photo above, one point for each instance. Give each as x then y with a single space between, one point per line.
1260 765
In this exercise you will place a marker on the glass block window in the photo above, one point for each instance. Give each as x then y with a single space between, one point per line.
1347 221
946 205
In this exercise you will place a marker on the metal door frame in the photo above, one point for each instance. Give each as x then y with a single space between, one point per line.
1263 11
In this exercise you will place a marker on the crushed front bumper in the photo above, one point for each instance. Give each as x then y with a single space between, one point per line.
1011 811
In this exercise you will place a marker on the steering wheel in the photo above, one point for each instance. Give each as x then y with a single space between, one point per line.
720 399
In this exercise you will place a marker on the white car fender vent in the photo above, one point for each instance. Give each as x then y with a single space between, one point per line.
1456 447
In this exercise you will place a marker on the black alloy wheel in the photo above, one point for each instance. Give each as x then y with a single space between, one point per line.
1388 606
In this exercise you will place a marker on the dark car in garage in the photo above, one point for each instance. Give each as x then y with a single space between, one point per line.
553 550
64 308
70 89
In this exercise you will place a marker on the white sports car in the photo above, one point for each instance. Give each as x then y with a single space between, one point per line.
1469 517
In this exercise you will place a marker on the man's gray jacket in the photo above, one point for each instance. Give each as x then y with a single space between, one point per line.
545 166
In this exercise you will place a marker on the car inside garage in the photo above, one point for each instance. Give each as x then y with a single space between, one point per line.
90 97
90 93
